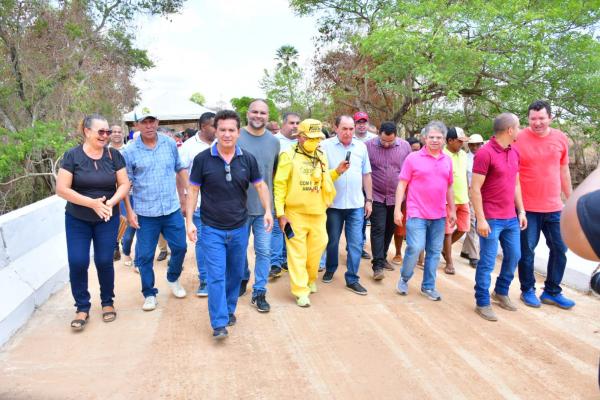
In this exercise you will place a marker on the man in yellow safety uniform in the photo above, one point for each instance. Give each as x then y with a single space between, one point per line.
303 189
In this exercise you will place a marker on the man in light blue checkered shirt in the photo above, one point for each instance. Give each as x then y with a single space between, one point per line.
158 178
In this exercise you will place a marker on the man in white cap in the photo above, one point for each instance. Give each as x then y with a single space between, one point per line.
455 139
158 178
470 249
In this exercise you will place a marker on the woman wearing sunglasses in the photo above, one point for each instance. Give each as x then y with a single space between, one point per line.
92 178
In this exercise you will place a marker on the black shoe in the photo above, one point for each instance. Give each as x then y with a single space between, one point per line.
328 276
161 256
260 302
243 287
232 320
357 288
275 271
284 266
464 255
117 254
365 255
473 262
220 333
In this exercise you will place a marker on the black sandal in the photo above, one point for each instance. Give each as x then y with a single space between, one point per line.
79 324
109 316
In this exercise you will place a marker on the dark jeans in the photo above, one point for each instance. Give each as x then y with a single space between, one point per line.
129 234
127 240
103 235
172 227
382 232
549 223
352 219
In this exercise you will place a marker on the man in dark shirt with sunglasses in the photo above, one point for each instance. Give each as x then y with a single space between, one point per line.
223 174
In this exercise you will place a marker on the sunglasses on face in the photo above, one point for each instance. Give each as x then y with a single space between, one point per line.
104 132
228 172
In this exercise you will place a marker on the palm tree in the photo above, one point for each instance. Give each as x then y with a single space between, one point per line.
286 57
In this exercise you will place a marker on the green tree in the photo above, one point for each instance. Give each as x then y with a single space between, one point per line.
402 59
30 155
198 98
282 84
60 60
241 105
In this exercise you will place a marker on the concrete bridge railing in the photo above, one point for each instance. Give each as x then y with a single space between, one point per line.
33 261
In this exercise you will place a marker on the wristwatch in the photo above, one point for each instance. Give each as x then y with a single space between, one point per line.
368 200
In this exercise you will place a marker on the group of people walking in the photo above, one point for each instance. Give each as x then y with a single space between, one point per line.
296 192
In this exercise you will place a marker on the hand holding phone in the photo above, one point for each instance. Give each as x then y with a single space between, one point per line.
289 232
348 154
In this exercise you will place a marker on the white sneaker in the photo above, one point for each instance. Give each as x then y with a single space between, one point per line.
177 290
149 303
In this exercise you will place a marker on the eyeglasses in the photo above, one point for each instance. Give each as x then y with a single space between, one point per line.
228 172
104 132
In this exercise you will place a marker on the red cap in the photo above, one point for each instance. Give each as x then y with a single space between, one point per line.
361 115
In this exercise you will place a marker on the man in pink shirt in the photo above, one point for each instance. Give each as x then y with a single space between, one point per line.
429 174
496 194
544 174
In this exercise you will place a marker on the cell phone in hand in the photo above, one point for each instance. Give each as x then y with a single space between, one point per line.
289 232
348 156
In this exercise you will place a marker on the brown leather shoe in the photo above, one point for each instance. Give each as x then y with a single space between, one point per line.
504 302
486 313
378 274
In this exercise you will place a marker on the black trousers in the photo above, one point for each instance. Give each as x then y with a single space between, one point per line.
382 232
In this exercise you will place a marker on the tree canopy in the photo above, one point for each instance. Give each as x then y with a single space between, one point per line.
62 60
467 60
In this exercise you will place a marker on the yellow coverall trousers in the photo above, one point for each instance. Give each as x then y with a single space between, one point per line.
305 249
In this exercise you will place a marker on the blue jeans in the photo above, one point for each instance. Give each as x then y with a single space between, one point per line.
262 251
278 249
364 233
352 219
103 235
427 234
508 232
199 252
129 234
127 240
224 260
549 223
172 227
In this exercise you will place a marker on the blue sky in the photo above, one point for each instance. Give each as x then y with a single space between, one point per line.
218 48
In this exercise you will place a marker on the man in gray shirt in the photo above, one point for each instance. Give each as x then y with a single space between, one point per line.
264 146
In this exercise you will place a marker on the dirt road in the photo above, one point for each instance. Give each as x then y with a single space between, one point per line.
380 346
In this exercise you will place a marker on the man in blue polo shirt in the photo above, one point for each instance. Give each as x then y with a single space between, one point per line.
223 175
157 177
349 207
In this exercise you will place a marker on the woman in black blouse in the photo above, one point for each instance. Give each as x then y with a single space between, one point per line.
93 180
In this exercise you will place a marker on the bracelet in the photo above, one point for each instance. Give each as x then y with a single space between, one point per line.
522 212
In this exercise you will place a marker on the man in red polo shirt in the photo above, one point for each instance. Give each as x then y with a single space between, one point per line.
544 174
429 174
496 193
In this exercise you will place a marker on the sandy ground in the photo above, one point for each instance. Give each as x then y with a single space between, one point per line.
380 346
